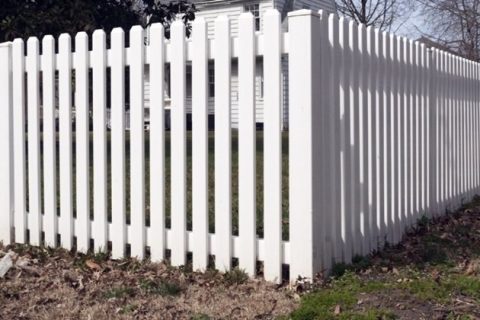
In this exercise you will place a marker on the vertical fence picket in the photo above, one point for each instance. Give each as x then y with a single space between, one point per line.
386 133
424 130
372 125
397 48
99 65
20 192
432 74
200 145
6 144
137 143
344 105
327 186
414 131
49 142
65 120
179 149
361 135
459 128
246 145
33 122
223 158
82 113
272 148
118 165
353 138
407 136
441 130
157 144
337 211
380 189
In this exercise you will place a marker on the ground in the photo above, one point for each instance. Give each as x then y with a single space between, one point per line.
433 274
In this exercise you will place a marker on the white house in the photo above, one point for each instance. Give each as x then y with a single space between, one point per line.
210 10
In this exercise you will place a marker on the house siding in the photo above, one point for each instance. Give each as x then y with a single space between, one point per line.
233 9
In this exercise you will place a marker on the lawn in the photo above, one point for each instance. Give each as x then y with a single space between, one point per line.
211 142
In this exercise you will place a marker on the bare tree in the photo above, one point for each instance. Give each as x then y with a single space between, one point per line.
382 14
454 24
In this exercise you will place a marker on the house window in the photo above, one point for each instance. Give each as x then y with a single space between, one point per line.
255 10
211 80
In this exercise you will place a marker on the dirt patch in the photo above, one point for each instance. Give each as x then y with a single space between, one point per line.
54 284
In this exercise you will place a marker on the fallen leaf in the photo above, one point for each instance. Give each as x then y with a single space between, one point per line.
338 309
92 265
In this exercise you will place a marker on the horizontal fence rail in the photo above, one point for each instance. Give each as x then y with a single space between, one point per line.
381 132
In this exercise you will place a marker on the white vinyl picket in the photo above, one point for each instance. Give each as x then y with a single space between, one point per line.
247 145
33 121
157 144
6 144
137 143
99 65
82 136
223 137
179 144
344 103
118 165
18 78
65 144
200 145
49 142
272 161
382 131
353 155
333 227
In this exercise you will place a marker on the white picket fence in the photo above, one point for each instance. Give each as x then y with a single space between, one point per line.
382 131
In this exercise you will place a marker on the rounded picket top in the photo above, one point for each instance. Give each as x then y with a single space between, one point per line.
156 27
246 16
18 42
323 14
177 24
99 33
64 37
48 39
361 26
303 12
118 31
136 30
271 13
81 35
371 29
33 45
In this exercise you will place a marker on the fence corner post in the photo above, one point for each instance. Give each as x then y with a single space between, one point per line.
305 143
6 137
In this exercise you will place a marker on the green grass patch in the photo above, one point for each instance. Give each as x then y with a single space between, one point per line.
162 288
119 292
344 292
442 289
235 277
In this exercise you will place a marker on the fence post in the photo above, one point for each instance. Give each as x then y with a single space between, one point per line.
306 157
433 187
6 136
